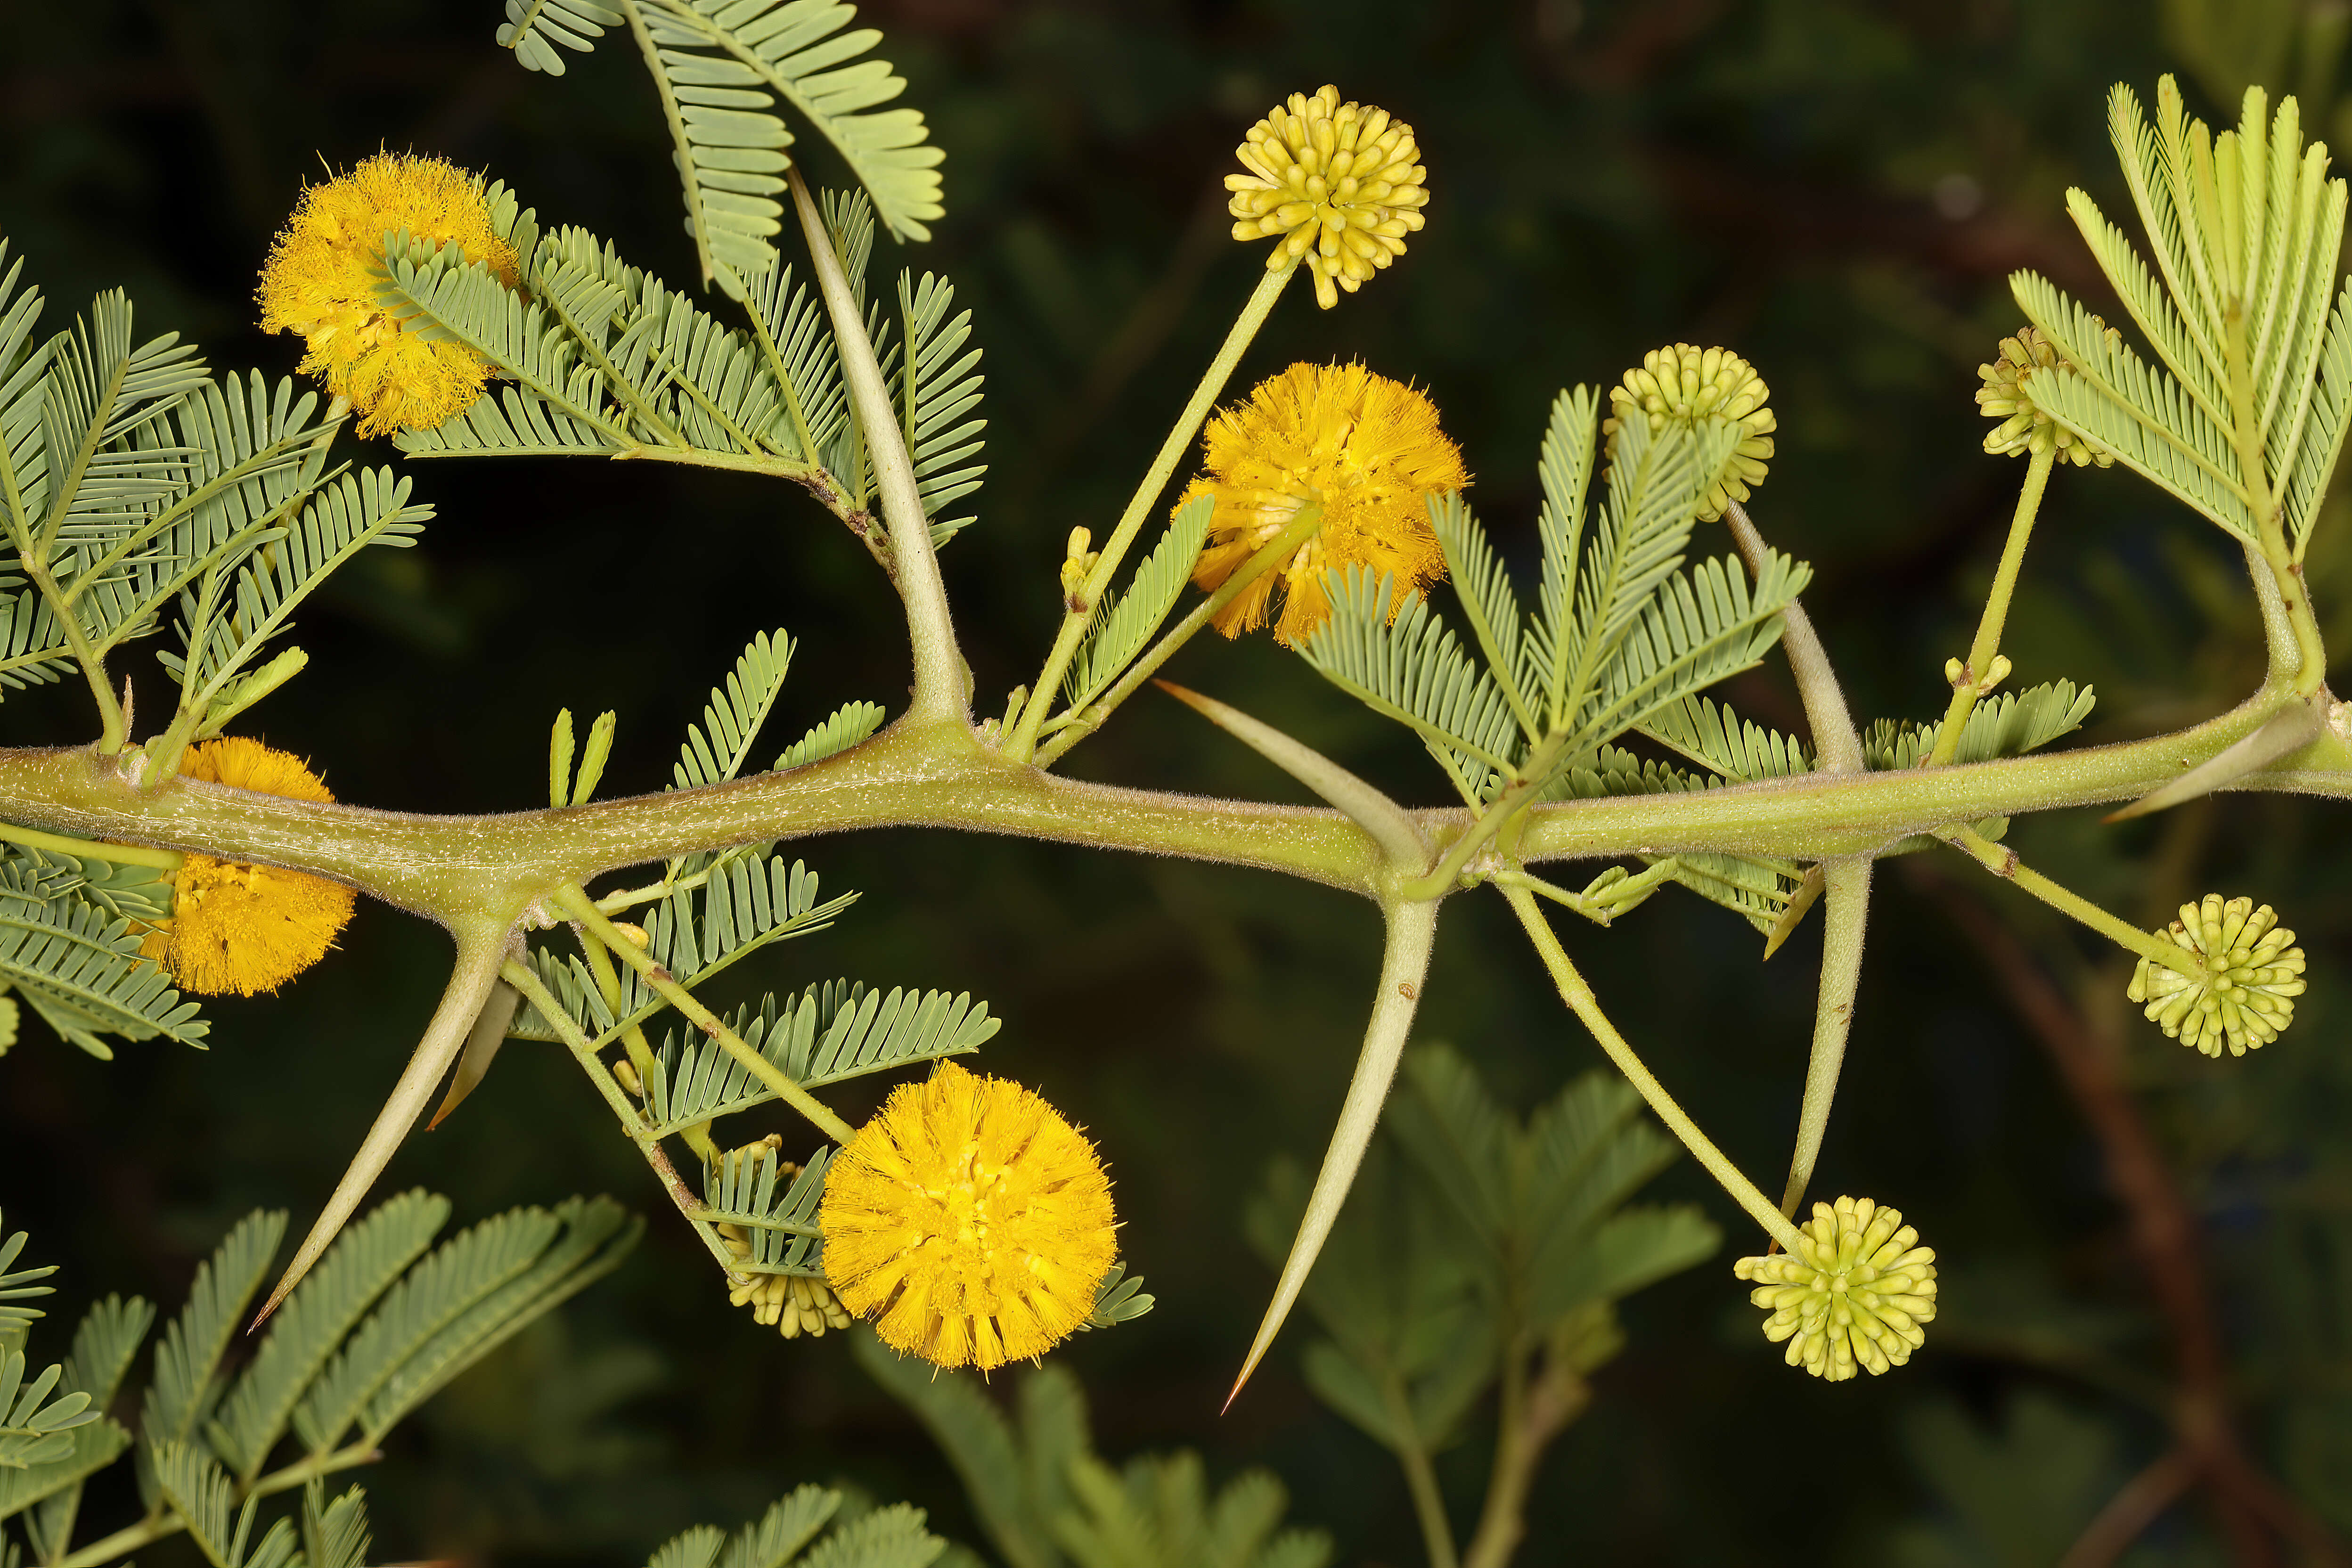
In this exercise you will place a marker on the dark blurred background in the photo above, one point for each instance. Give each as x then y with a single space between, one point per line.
1837 191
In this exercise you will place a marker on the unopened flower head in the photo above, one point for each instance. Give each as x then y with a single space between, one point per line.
969 1221
2253 969
792 1304
239 928
1687 385
1365 450
1334 185
2007 395
1854 1293
320 278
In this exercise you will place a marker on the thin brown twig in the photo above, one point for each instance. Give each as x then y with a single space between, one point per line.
2131 1510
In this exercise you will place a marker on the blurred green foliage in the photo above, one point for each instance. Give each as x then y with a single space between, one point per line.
1837 190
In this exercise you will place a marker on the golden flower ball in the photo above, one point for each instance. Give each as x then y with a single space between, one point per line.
321 279
2253 975
1334 184
1855 1294
1366 449
1684 385
238 928
969 1221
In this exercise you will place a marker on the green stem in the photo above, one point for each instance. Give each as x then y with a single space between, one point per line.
577 904
1586 1007
2002 861
1420 1477
1269 555
608 983
1968 689
943 682
2262 503
935 777
584 1051
114 729
1837 749
1848 884
121 854
1081 608
160 1527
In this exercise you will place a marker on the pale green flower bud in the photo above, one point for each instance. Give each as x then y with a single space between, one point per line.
1852 1296
1685 384
2007 395
2252 973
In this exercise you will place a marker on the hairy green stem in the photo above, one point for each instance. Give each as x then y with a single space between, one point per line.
1837 747
114 726
1267 557
450 869
584 1051
2002 862
2262 503
1972 684
1848 885
577 904
1078 614
1586 1007
943 682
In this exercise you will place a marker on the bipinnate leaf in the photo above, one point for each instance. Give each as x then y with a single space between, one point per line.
186 1379
306 1332
1123 626
535 29
715 749
849 724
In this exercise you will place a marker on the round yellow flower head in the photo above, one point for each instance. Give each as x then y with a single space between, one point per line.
1685 384
238 928
2253 973
969 1221
1854 1293
2006 395
1334 183
1363 448
319 282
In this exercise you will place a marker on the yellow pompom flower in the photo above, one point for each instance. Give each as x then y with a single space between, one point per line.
2253 975
1684 385
2007 395
239 928
1364 448
969 1221
1854 1293
319 282
1335 183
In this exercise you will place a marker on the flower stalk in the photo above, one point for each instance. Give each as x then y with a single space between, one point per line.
2002 862
580 907
1578 995
1078 612
1076 727
1974 678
